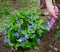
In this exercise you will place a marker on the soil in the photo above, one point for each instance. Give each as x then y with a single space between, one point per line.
44 46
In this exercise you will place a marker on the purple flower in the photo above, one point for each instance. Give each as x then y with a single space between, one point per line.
24 39
4 32
17 20
38 41
29 27
26 36
16 35
8 26
48 23
33 25
19 30
6 40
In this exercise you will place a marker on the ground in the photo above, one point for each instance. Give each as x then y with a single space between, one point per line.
44 46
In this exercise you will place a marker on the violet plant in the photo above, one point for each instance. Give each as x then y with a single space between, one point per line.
25 28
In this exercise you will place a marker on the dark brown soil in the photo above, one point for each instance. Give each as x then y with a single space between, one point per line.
44 46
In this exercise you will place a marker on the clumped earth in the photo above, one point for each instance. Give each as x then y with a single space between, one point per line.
44 46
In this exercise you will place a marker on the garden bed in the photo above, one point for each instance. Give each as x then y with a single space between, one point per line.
43 46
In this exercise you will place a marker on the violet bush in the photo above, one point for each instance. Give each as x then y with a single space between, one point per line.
25 28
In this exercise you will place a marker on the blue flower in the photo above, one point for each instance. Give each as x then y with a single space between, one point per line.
19 30
17 20
6 40
38 41
33 25
48 23
16 35
4 32
26 36
8 26
24 39
29 27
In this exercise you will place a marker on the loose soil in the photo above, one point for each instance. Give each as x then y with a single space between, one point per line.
44 46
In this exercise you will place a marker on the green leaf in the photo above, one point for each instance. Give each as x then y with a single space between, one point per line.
31 36
17 45
31 30
39 32
27 44
21 21
11 44
24 32
36 22
36 47
24 21
18 14
19 40
30 21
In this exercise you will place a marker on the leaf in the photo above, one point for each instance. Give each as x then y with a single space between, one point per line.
27 44
11 44
24 32
17 45
28 18
31 30
36 47
18 14
19 40
21 21
30 21
31 36
36 22
39 32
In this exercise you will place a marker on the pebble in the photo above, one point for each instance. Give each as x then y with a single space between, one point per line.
56 49
49 50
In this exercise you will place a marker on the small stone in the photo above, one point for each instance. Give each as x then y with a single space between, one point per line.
56 49
51 46
55 43
49 50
